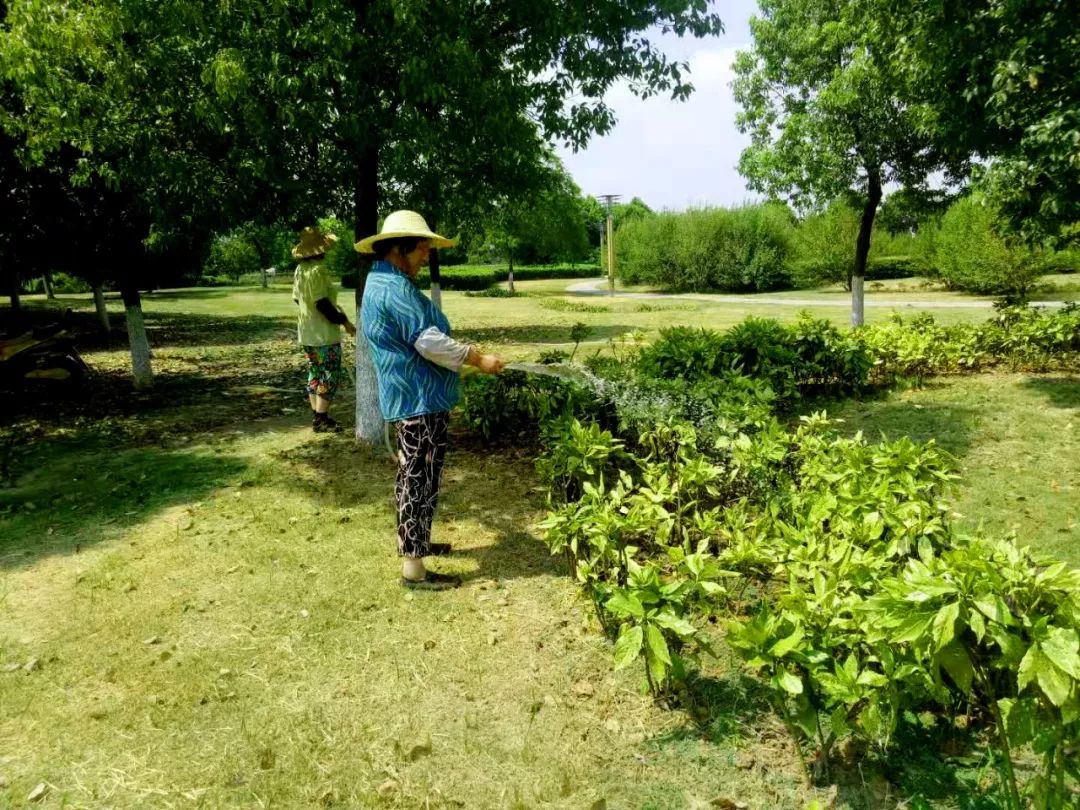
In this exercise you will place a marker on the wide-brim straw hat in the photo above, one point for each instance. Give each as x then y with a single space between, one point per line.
313 242
402 224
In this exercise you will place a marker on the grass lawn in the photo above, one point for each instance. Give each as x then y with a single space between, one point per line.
200 604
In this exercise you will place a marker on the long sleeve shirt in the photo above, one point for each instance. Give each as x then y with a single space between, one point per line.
394 315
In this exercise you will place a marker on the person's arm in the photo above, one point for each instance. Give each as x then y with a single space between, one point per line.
441 349
334 315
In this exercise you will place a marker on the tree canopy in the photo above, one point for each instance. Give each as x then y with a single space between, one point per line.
1001 81
825 116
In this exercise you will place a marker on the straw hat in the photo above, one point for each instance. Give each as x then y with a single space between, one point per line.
313 242
403 224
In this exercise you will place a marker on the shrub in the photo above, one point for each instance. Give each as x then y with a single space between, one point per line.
232 255
811 357
971 256
825 243
737 249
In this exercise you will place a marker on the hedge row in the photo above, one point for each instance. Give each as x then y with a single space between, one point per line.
472 277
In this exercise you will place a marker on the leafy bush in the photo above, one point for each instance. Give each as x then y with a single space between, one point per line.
516 405
66 283
879 268
232 255
811 357
825 246
970 255
737 249
1017 338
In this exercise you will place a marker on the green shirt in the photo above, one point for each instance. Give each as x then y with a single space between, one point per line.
310 283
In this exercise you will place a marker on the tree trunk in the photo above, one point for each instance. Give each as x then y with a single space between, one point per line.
141 372
862 245
264 279
510 274
369 421
13 291
436 275
46 278
102 311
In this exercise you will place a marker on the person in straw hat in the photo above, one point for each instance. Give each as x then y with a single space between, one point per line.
319 325
417 364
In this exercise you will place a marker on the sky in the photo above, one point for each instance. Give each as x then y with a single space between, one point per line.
675 154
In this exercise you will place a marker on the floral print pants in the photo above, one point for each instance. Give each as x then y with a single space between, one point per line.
324 370
421 442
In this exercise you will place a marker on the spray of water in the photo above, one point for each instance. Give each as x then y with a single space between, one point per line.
567 372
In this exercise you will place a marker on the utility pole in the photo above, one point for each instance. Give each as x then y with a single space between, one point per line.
609 201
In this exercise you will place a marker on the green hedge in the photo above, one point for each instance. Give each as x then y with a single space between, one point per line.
480 277
880 268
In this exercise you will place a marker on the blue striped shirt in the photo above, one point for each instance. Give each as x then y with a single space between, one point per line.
393 314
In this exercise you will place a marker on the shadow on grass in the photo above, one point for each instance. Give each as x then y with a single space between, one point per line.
75 494
164 329
538 333
953 427
168 330
496 491
719 709
1061 392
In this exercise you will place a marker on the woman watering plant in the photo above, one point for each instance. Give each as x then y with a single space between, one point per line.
417 364
319 325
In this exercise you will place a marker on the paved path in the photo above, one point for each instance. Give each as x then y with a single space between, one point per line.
599 287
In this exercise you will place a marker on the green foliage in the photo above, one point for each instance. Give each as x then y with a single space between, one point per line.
1017 337
867 610
971 256
826 113
516 405
826 246
736 249
1000 80
232 255
809 357
481 277
991 623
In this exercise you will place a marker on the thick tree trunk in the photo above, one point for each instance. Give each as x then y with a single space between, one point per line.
862 245
102 310
434 269
46 278
369 421
141 372
13 291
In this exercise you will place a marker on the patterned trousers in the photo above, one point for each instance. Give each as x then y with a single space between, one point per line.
421 443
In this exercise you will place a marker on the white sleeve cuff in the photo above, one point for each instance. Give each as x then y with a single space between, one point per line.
441 349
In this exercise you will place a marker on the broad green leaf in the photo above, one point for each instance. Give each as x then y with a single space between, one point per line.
788 643
1052 681
675 624
628 647
1062 647
625 604
945 624
1012 646
1021 719
789 682
870 678
977 624
805 716
913 628
994 608
657 646
1025 673
955 660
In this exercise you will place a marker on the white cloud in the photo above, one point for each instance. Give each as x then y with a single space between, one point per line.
671 154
